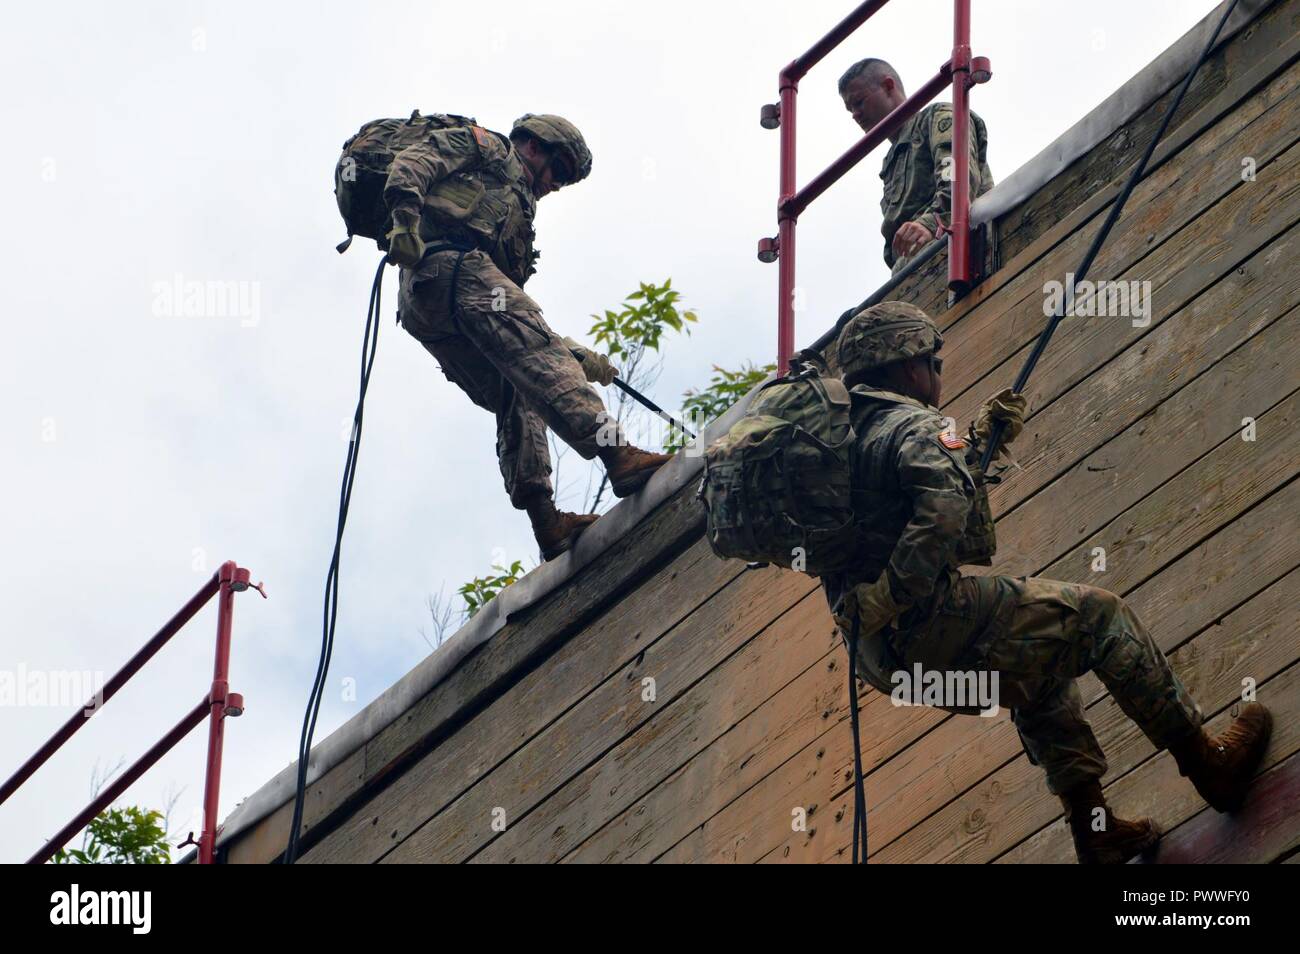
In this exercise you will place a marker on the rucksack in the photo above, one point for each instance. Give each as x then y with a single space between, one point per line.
777 486
362 169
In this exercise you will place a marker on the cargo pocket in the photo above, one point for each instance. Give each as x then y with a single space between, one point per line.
1041 636
945 641
893 180
421 304
1044 606
876 663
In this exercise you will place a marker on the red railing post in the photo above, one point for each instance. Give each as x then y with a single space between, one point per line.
959 270
220 698
786 222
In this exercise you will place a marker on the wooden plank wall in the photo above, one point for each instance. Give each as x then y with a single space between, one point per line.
669 706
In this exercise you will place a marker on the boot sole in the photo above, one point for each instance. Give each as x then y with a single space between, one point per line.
1115 856
1238 799
630 485
564 546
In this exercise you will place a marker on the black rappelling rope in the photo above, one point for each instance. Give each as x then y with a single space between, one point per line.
859 787
1059 314
369 342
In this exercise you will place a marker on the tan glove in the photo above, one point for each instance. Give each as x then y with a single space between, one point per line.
872 603
405 247
595 365
1005 406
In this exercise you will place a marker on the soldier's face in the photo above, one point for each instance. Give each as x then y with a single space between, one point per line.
932 368
544 181
541 168
869 102
919 378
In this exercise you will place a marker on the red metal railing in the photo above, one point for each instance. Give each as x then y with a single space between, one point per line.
219 703
961 71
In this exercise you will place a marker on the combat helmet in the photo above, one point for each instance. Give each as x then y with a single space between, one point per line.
884 333
558 133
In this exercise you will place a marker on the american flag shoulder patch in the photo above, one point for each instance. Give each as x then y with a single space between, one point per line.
480 135
952 441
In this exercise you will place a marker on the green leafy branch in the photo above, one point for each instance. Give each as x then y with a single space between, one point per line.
480 590
641 323
120 836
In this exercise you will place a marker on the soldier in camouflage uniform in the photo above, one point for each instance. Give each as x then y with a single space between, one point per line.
917 171
929 514
462 206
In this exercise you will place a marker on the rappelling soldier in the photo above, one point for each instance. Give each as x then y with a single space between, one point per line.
926 509
462 204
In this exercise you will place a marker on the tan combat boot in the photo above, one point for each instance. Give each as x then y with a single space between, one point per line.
556 530
1117 841
1221 767
630 467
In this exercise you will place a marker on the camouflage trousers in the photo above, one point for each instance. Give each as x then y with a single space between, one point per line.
1039 636
495 346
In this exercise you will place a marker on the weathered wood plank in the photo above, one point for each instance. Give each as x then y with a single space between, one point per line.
487 672
541 696
1155 449
522 642
585 732
1110 159
793 719
1203 497
1215 222
267 839
1148 372
791 646
482 676
1267 826
747 826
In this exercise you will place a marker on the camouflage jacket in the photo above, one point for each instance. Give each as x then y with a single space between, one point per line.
472 188
918 490
918 186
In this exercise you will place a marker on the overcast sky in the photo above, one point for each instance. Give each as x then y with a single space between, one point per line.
151 143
